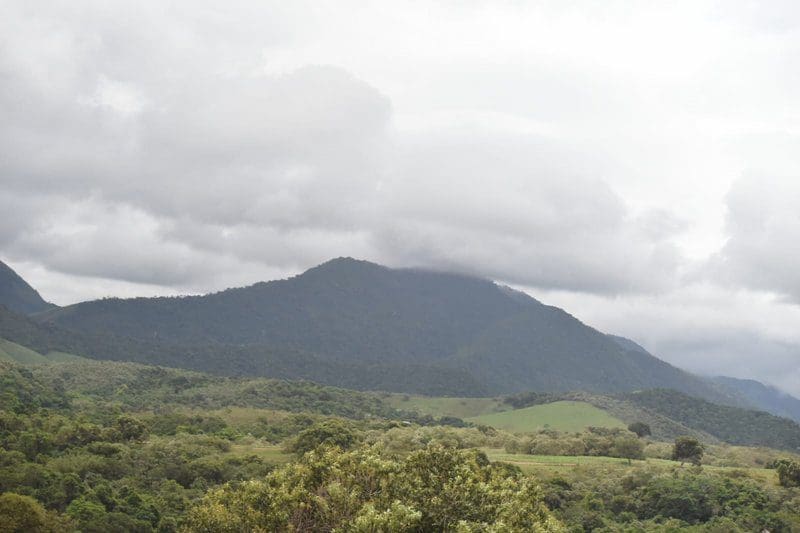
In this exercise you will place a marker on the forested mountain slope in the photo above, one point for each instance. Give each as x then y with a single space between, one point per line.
384 322
17 295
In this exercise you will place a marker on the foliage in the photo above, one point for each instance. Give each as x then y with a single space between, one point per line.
640 428
730 424
788 473
359 325
436 489
103 446
687 449
327 433
23 514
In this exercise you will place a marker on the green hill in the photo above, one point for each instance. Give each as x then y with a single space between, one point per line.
11 351
729 424
561 416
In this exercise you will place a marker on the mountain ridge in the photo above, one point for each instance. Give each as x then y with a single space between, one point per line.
358 324
360 313
18 295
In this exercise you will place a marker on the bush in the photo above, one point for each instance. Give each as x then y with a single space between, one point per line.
331 432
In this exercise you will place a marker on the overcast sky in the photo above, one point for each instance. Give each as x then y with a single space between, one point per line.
635 163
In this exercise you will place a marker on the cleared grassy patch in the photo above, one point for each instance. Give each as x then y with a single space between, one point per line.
11 351
547 466
63 357
442 406
269 453
561 416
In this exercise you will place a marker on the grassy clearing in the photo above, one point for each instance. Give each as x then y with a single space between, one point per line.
269 453
63 357
11 351
441 406
561 416
547 466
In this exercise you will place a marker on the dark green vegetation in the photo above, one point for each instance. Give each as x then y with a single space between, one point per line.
360 325
729 424
102 446
762 396
17 295
667 415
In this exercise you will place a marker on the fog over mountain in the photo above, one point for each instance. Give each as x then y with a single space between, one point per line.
649 184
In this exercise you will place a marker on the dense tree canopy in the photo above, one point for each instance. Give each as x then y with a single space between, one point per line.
435 489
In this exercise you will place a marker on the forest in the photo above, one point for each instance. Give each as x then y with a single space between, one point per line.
102 446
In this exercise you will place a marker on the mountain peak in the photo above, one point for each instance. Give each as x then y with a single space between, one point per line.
17 295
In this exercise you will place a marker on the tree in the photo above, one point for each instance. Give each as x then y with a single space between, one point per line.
788 473
687 449
131 428
23 514
628 448
435 489
640 428
331 432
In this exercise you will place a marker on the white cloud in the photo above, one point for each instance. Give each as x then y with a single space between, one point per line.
564 146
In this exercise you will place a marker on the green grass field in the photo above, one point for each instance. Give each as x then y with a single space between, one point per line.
10 351
546 466
561 416
269 453
63 357
440 406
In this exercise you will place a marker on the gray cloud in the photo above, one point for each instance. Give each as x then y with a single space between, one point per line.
583 152
164 173
763 223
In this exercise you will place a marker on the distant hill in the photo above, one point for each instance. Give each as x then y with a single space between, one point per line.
17 295
388 327
730 424
763 396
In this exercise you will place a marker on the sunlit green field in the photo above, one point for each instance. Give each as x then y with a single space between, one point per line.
440 406
562 416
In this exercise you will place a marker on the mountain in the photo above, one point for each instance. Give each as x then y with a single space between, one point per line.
763 396
387 328
17 295
234 360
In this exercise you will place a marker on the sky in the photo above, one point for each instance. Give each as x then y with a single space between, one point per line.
636 163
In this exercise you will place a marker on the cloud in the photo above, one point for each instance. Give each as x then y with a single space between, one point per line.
165 173
763 223
189 147
703 327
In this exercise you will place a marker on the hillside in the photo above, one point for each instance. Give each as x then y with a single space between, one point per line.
17 295
565 415
109 446
387 327
730 424
765 397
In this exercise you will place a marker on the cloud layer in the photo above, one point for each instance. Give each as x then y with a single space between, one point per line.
589 156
